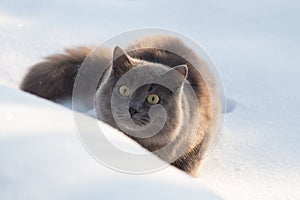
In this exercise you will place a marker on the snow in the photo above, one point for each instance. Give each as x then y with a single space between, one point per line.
255 46
42 158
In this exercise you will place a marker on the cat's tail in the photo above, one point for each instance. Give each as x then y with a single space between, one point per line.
54 78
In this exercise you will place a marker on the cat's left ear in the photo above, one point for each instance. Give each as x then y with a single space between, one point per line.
176 76
122 62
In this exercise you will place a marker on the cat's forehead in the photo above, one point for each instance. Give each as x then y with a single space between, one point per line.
142 75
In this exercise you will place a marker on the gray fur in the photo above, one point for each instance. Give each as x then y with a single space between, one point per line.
57 76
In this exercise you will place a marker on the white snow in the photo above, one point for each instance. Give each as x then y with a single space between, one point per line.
42 158
255 45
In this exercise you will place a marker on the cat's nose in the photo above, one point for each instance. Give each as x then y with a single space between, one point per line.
133 111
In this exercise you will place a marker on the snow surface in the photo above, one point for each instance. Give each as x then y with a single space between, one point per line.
255 46
42 158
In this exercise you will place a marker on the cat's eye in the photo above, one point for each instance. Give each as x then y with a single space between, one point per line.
124 91
153 99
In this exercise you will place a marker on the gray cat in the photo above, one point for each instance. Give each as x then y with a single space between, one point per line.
188 122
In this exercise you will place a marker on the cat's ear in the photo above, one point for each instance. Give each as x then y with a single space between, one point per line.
176 76
177 73
181 69
122 62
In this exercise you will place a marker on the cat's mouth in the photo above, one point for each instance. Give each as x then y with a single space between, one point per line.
140 119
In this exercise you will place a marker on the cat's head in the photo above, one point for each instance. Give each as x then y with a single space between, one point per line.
142 99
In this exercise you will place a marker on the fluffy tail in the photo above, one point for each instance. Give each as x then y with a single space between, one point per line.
54 78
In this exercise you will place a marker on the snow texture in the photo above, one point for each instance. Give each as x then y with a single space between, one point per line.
42 158
255 46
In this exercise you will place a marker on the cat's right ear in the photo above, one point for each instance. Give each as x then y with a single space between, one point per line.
122 62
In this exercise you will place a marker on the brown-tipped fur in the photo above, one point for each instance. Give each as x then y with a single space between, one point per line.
54 78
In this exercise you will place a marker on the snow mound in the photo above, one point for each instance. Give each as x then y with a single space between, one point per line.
42 158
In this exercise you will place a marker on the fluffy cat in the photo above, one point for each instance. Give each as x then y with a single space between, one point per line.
161 58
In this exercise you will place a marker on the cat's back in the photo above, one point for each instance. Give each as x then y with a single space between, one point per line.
166 42
171 51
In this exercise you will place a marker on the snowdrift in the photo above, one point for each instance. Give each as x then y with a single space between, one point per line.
42 158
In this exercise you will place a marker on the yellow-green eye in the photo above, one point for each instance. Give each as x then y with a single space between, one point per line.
153 99
124 91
